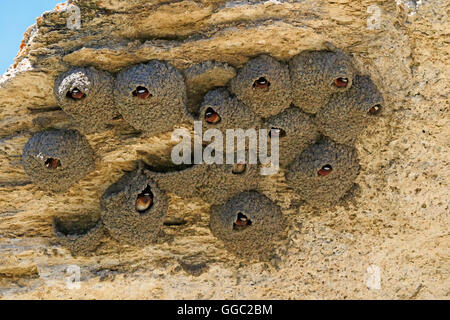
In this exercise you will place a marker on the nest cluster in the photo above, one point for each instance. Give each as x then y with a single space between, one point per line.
316 103
150 97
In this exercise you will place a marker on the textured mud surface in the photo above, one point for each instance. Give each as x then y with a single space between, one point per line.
296 130
151 97
123 218
396 220
248 224
345 116
264 85
213 183
203 77
220 111
315 75
55 160
87 95
324 172
80 234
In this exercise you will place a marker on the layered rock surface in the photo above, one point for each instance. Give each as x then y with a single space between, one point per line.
396 219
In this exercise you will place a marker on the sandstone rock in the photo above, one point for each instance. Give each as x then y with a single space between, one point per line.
398 220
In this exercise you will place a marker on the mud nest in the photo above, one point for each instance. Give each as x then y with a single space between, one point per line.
295 131
347 114
214 183
249 224
263 84
133 209
151 97
315 75
324 172
81 234
56 160
316 104
87 95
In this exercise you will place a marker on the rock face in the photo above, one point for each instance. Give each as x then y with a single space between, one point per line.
387 239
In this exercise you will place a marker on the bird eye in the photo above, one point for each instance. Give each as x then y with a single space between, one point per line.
261 83
241 222
325 170
211 116
277 132
341 82
52 163
144 200
239 168
375 109
141 93
76 94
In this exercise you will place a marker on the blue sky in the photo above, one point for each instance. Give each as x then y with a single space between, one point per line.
15 17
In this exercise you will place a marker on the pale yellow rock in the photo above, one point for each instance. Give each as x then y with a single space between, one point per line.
398 220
